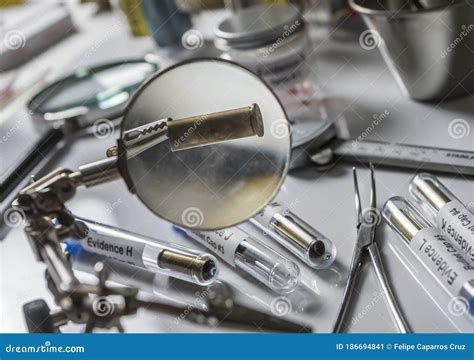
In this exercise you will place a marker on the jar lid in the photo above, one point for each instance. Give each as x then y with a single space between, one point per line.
258 25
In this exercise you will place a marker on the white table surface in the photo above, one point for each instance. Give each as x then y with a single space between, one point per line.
356 85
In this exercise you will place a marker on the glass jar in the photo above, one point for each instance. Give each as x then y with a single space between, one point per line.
273 42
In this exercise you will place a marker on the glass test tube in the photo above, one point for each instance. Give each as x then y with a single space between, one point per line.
148 253
451 216
437 254
296 235
246 253
175 290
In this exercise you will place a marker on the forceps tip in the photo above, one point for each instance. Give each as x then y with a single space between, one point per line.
354 174
373 196
358 204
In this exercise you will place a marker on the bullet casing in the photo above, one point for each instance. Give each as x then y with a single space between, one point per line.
215 127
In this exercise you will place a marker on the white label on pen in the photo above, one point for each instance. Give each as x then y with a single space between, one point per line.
443 260
457 223
223 243
118 249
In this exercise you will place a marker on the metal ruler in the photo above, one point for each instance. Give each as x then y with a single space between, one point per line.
406 156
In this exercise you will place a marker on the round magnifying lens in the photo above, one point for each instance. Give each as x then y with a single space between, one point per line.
214 186
95 92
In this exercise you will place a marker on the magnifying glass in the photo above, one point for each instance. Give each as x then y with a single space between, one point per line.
198 147
90 94
214 186
70 107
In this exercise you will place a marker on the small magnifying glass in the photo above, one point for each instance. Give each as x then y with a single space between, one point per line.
198 146
78 100
70 107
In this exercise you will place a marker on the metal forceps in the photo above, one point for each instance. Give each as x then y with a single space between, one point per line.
366 226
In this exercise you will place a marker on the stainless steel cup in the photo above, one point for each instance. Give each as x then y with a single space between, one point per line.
427 44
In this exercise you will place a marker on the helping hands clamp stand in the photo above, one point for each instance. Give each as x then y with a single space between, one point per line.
49 222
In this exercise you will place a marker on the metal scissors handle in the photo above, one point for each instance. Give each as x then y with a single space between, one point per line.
366 226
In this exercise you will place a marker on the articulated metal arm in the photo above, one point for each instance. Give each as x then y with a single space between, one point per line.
48 223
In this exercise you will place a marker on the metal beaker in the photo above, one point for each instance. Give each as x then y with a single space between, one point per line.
427 44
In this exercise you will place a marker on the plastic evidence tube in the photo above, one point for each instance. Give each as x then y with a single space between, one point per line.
451 216
148 253
438 255
120 272
293 233
246 253
175 290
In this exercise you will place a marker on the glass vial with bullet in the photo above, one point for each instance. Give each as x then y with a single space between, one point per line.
293 233
452 217
444 262
244 252
148 253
